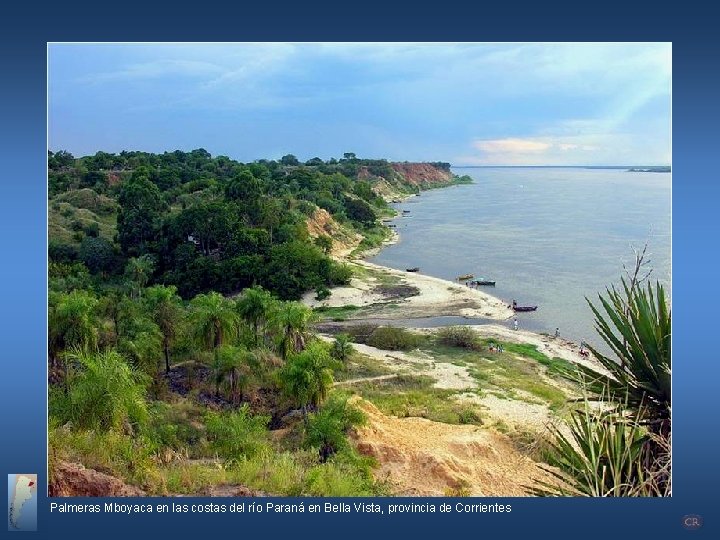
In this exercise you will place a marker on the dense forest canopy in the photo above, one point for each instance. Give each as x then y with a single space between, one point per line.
206 223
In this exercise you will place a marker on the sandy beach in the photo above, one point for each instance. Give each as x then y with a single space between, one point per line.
423 296
432 297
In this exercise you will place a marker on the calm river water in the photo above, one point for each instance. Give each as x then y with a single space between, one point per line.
548 236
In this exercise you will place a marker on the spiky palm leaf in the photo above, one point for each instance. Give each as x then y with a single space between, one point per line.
637 328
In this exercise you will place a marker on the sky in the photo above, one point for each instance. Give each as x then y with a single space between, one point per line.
467 104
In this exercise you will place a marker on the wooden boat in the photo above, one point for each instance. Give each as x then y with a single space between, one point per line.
487 282
406 211
465 277
414 269
523 308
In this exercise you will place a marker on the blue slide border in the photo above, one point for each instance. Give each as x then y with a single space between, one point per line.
25 29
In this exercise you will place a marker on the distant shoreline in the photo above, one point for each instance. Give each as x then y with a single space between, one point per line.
629 168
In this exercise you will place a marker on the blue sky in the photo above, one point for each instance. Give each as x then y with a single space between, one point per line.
469 104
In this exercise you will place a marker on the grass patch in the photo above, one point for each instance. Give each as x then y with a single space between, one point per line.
515 369
555 365
359 366
413 396
337 314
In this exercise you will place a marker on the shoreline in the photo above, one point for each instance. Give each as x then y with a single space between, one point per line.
434 297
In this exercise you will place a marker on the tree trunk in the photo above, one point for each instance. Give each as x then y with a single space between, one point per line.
167 356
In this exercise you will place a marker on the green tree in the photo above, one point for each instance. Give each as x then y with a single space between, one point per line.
271 211
213 319
139 270
292 321
327 429
73 324
244 187
139 338
255 306
325 243
289 159
97 254
235 364
141 206
308 377
360 211
166 310
342 347
106 392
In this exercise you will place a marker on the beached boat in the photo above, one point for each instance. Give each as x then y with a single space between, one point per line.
524 308
486 282
465 277
414 269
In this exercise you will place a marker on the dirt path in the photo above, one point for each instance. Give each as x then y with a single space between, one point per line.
417 362
366 379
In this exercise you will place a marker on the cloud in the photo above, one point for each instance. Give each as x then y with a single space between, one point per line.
511 146
539 150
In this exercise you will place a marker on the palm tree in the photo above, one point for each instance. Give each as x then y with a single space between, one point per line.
235 363
72 324
107 393
292 319
139 270
308 377
141 343
166 311
213 319
342 347
255 306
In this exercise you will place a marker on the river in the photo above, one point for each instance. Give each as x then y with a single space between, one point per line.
549 236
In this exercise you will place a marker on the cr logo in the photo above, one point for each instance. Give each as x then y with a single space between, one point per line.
692 521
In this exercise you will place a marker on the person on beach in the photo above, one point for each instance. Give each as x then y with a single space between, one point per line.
515 323
557 333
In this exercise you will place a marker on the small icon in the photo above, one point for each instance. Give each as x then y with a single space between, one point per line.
692 521
22 502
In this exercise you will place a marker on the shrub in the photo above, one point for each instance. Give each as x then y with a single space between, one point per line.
322 293
327 429
393 339
459 336
61 252
469 416
237 434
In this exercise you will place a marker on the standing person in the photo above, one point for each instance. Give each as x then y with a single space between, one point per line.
515 324
557 333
